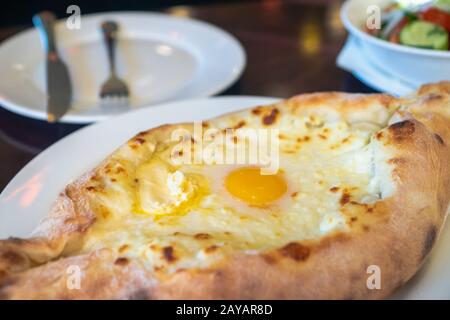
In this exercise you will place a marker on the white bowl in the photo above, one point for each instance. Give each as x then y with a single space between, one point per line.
413 65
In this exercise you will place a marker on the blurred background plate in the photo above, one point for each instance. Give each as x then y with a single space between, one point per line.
161 58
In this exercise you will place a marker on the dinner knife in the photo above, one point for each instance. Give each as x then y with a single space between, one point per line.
59 87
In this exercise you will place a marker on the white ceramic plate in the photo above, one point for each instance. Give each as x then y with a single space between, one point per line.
161 57
28 197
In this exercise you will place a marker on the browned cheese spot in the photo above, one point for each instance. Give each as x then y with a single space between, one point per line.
121 261
158 268
202 236
123 248
271 117
402 130
345 198
257 111
168 254
379 135
295 251
239 125
120 169
211 249
303 139
334 189
139 140
142 133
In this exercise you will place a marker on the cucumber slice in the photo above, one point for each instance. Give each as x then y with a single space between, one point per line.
424 34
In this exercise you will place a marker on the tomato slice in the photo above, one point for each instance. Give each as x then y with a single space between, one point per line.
437 16
395 34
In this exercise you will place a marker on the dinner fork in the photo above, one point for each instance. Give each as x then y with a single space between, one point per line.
113 87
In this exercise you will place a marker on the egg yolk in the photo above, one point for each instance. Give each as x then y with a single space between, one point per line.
250 186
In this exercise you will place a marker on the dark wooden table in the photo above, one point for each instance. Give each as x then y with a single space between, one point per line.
291 48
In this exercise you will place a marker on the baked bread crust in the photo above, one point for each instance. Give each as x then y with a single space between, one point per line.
406 225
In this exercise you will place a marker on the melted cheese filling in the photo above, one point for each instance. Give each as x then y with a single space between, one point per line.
185 216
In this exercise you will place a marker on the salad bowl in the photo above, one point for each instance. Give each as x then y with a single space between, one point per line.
411 64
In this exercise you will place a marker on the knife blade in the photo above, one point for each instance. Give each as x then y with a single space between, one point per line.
59 86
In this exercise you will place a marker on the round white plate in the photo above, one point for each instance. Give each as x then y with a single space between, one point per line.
161 57
28 197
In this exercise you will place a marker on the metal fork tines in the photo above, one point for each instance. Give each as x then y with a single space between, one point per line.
113 87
